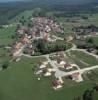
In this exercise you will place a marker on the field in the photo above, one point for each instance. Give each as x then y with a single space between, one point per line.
6 35
82 59
19 82
5 40
69 22
95 40
26 14
91 75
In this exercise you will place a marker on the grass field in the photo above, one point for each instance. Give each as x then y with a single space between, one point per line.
91 75
68 22
4 55
19 83
82 59
5 40
95 40
5 35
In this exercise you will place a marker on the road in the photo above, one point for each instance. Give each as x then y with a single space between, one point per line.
58 72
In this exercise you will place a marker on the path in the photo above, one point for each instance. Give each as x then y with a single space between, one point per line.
58 72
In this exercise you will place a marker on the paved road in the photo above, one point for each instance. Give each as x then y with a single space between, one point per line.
81 70
59 73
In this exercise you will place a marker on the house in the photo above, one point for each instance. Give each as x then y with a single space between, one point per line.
42 66
18 45
20 31
51 70
68 66
47 74
77 77
56 84
24 40
62 62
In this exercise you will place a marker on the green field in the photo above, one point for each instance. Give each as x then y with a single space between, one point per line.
95 40
19 83
26 14
91 75
6 35
68 22
5 40
82 59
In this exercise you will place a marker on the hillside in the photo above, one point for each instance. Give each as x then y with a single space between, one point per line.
10 10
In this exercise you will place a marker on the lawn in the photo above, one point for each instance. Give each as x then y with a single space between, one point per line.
4 55
95 40
82 59
91 75
6 35
19 83
5 40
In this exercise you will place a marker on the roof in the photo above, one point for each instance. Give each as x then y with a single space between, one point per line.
55 83
42 66
67 65
18 45
62 63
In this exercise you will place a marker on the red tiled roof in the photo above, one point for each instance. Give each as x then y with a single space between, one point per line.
67 65
55 83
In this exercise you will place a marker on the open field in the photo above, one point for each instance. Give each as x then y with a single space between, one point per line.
5 40
91 75
82 59
19 82
6 35
69 22
4 55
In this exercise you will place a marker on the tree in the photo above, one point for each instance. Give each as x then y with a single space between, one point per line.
5 65
87 95
90 40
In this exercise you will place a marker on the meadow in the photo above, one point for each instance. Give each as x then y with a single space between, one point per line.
19 82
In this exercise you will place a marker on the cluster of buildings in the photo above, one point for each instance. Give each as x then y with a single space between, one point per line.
40 28
46 71
55 69
82 32
43 69
20 45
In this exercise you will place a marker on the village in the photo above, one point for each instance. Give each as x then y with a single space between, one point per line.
57 64
49 50
40 28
